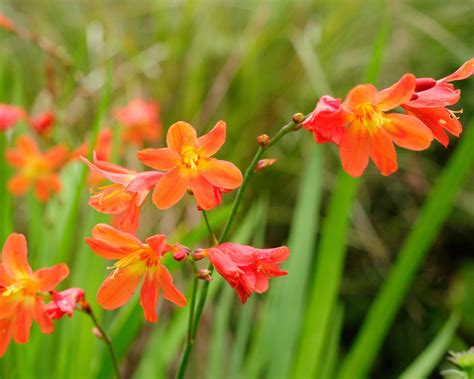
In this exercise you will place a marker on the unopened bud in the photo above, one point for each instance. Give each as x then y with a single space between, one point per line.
298 118
199 254
264 163
263 140
96 332
180 256
204 274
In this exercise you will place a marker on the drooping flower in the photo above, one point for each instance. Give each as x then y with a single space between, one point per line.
246 268
43 122
431 98
135 260
140 120
10 115
64 302
21 292
189 164
125 196
35 169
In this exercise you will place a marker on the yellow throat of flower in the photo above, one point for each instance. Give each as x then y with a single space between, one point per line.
368 116
24 287
190 158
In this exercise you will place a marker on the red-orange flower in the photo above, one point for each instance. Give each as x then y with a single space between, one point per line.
10 115
20 292
189 164
43 122
35 169
135 260
246 268
64 302
430 99
140 120
125 196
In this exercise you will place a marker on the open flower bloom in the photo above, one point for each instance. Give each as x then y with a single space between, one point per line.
10 115
189 164
246 268
125 196
35 169
64 302
140 121
42 122
430 99
20 292
135 260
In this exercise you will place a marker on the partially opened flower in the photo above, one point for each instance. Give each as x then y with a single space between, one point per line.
10 115
35 169
64 302
21 292
42 122
246 268
125 196
140 121
189 164
431 98
135 261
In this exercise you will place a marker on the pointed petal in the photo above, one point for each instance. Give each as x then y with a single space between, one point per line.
42 318
110 171
211 142
261 283
221 174
158 243
49 278
149 295
170 188
144 181
23 320
27 146
399 93
14 256
363 93
5 335
5 278
116 238
56 156
354 150
181 135
170 292
118 288
441 95
206 195
159 159
8 306
105 250
48 186
383 153
408 132
19 184
463 72
129 220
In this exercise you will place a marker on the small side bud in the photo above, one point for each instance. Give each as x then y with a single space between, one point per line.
198 255
264 163
263 140
96 332
298 118
204 274
180 256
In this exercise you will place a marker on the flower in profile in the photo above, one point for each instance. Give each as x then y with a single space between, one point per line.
21 292
43 122
140 120
189 164
125 196
35 169
64 302
10 115
431 98
135 260
246 268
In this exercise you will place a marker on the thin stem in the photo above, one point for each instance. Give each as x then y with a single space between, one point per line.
212 237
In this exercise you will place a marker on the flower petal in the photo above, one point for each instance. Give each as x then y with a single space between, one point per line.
23 320
49 278
14 256
408 132
211 142
159 159
105 250
181 135
128 220
116 238
170 188
221 174
5 335
383 153
170 292
363 93
42 318
56 156
463 72
158 243
114 173
205 193
354 149
45 187
19 184
149 295
397 94
118 288
441 95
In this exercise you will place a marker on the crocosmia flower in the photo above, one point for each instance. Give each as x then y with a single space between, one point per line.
10 115
43 122
64 302
125 196
135 261
20 292
140 120
189 164
246 268
430 99
35 169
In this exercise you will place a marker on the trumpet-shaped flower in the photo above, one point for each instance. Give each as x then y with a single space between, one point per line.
35 169
430 99
125 196
140 120
135 260
10 115
189 164
246 268
21 292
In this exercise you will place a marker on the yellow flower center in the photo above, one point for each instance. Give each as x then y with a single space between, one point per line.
22 287
190 158
138 262
368 116
36 168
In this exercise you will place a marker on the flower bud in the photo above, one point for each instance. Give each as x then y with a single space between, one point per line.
199 254
204 274
264 163
298 118
96 332
263 140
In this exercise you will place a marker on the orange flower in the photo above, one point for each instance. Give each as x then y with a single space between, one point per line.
188 163
140 121
36 169
10 115
430 99
125 196
136 260
43 122
20 292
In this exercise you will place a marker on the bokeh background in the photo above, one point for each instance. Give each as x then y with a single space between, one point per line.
252 64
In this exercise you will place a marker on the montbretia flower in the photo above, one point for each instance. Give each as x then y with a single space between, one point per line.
36 169
431 98
22 292
140 120
246 268
125 196
64 302
10 115
42 122
189 164
135 260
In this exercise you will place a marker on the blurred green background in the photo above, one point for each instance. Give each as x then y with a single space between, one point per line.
252 64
